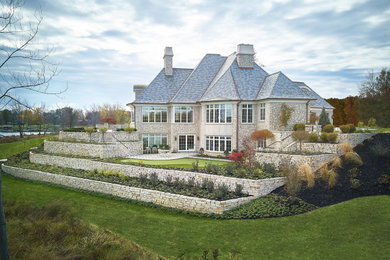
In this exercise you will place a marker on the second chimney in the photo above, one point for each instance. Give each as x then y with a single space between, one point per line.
245 56
168 61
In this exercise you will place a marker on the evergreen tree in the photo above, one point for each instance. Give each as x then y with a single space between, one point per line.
324 118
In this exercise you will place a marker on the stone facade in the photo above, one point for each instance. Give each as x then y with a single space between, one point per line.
252 187
109 137
157 197
121 149
314 161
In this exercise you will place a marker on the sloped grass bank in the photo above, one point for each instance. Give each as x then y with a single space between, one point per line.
10 149
55 232
356 229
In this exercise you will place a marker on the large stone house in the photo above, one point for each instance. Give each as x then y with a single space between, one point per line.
219 102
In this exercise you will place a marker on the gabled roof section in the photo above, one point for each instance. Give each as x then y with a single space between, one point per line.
200 78
163 87
248 81
223 89
279 86
319 102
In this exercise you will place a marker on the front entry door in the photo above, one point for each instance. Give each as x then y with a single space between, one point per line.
186 142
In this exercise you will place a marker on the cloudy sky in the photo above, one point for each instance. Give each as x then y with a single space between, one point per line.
106 46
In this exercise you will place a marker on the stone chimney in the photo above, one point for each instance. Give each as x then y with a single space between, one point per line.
138 89
245 56
168 61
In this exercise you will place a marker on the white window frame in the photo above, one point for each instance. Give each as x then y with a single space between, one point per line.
186 136
262 111
155 110
219 113
154 136
183 110
246 107
212 140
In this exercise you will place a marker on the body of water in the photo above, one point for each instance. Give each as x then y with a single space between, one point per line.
17 133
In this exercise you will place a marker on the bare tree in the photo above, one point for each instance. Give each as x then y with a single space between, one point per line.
23 66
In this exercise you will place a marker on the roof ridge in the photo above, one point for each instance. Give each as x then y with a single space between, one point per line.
212 82
235 85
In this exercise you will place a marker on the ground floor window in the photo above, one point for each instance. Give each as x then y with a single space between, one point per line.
218 143
262 144
150 140
186 142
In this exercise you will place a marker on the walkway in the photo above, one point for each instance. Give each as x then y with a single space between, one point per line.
162 156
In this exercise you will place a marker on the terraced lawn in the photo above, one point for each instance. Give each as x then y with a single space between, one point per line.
356 229
184 163
9 149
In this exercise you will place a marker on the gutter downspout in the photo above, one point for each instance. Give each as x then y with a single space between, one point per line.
237 127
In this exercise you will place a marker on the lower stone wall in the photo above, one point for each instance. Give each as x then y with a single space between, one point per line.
252 187
156 197
97 137
122 149
354 138
320 147
314 161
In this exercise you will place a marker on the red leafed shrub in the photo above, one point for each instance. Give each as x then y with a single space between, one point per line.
236 157
261 135
109 120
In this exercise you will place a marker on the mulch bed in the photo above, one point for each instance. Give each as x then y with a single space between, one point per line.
373 176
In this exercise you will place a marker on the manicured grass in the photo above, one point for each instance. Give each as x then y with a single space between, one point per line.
184 163
356 229
9 149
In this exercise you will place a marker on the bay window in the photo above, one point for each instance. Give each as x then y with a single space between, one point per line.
157 114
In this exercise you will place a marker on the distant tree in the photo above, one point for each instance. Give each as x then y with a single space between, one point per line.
6 116
338 112
350 111
375 98
324 118
109 120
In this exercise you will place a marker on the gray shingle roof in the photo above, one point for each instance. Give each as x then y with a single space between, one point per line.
201 77
319 102
219 78
277 85
163 87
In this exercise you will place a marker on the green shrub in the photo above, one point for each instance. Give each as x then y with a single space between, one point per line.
372 122
352 128
328 129
313 137
195 166
154 179
75 129
324 137
332 137
355 183
238 189
221 192
299 127
344 128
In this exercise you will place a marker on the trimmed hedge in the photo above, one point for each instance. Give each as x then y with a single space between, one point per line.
298 127
328 129
313 137
75 129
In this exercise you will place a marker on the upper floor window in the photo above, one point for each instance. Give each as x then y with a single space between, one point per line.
184 114
247 113
262 111
219 113
156 114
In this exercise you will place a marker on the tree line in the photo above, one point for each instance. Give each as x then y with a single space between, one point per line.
61 118
372 106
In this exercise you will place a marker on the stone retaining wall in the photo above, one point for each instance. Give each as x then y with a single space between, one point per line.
97 137
314 161
354 138
156 197
320 147
122 149
252 187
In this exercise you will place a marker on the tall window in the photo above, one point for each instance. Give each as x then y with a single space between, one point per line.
219 113
184 114
247 113
218 143
262 111
154 139
156 114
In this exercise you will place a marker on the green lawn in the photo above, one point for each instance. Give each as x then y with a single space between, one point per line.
356 229
184 163
9 149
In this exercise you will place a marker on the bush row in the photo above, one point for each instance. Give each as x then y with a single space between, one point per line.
206 189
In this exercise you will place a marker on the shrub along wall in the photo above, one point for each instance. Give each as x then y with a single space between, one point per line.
157 197
252 187
314 161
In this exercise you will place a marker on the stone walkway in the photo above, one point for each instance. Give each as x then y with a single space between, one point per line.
162 156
